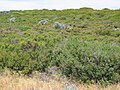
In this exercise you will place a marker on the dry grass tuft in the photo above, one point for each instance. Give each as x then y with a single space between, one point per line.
16 82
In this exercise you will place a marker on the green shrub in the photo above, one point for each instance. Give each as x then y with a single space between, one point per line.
24 28
89 52
88 61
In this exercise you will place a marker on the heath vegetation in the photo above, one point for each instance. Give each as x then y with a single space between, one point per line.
80 44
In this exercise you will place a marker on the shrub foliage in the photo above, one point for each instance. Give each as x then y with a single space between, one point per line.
89 52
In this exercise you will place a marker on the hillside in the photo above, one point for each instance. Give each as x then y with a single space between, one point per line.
86 49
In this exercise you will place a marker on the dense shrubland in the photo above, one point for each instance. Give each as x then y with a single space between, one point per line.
88 51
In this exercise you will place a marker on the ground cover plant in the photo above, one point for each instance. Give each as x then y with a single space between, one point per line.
86 49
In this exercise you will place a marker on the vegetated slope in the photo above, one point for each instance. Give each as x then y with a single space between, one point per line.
88 51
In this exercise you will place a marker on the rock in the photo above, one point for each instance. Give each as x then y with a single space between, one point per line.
43 22
12 19
117 29
69 87
58 25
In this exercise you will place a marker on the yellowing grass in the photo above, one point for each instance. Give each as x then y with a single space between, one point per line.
15 82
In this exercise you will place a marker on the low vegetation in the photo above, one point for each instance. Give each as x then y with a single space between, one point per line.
88 51
9 81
